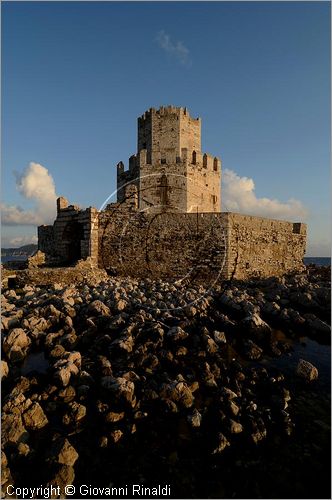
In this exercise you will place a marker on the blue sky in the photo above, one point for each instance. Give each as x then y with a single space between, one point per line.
76 75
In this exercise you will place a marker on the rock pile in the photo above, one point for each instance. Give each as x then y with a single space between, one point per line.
152 371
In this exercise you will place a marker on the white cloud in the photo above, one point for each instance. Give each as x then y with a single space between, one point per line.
37 184
238 195
175 49
18 241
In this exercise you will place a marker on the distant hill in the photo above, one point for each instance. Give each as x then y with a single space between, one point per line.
25 250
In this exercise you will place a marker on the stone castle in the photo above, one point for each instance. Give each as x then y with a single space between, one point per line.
167 220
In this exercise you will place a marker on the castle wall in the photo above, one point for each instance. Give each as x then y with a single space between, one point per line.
204 245
167 220
163 245
263 247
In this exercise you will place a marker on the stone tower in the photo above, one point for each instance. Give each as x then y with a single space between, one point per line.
170 172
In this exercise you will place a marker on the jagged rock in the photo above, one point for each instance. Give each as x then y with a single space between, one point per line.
5 472
76 413
124 344
75 357
105 366
103 442
235 427
306 370
67 394
191 311
194 418
254 324
169 406
112 416
63 376
52 311
98 308
252 351
178 392
176 334
4 369
23 449
64 371
219 337
12 321
15 402
11 294
85 378
57 352
228 393
63 477
182 351
258 436
234 409
69 340
34 417
116 435
120 305
12 429
36 324
210 345
6 306
16 344
121 387
118 321
63 452
222 443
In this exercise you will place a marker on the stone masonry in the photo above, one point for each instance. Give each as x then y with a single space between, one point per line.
170 171
167 221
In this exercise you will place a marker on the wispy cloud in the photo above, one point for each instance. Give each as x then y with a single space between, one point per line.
176 49
37 184
238 195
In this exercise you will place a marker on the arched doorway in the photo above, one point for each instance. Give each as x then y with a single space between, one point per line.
72 235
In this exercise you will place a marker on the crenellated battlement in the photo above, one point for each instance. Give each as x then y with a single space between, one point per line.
205 161
194 159
169 148
168 127
167 110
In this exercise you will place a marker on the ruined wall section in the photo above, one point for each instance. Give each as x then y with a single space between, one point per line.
263 247
73 236
126 177
46 241
163 245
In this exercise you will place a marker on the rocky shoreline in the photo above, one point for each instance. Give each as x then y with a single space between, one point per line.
130 380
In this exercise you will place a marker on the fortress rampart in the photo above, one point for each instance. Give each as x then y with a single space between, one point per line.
167 220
